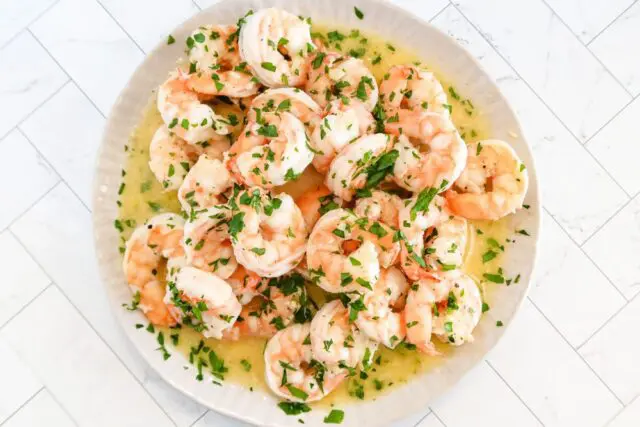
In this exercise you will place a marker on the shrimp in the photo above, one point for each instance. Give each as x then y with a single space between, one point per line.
332 268
158 238
269 232
410 91
207 243
270 152
419 317
206 180
348 170
170 158
315 203
376 316
276 44
335 76
202 300
341 124
274 309
286 99
459 312
380 206
184 113
292 372
415 170
245 284
213 51
435 239
334 340
492 185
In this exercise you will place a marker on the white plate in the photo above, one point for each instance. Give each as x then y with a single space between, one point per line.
434 48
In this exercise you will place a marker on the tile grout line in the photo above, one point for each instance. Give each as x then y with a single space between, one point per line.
422 418
588 140
199 418
197 5
28 303
436 415
440 12
514 392
55 399
28 208
120 26
593 55
40 15
615 214
587 256
553 113
25 403
610 23
575 351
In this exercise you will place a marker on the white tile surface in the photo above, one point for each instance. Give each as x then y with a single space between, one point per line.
482 397
39 411
28 76
587 18
50 326
549 375
574 295
629 416
18 383
16 14
36 176
616 246
95 52
550 58
150 21
616 50
22 279
72 154
430 421
614 352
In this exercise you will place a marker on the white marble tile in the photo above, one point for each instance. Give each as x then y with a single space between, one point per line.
486 400
203 4
629 416
430 421
616 149
149 22
56 232
35 176
551 59
22 279
71 361
214 419
93 50
18 383
28 76
72 154
411 420
617 49
568 288
615 248
615 350
423 9
41 410
569 176
587 18
16 14
549 376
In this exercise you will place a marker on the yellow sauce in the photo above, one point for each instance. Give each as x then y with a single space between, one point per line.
243 358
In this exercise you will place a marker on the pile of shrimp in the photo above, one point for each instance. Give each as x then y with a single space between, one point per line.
384 237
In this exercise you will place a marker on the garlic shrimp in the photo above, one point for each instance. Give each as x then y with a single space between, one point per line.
380 206
204 182
315 203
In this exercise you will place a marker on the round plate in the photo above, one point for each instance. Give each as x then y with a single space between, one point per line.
433 47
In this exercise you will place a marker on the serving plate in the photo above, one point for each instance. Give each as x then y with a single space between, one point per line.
436 49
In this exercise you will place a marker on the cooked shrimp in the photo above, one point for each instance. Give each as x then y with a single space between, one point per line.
377 317
457 315
348 171
274 309
158 238
270 152
492 185
276 44
207 243
341 124
334 340
315 203
246 284
336 76
409 91
336 271
419 317
184 114
206 180
271 240
380 206
415 170
282 100
213 49
291 371
203 300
